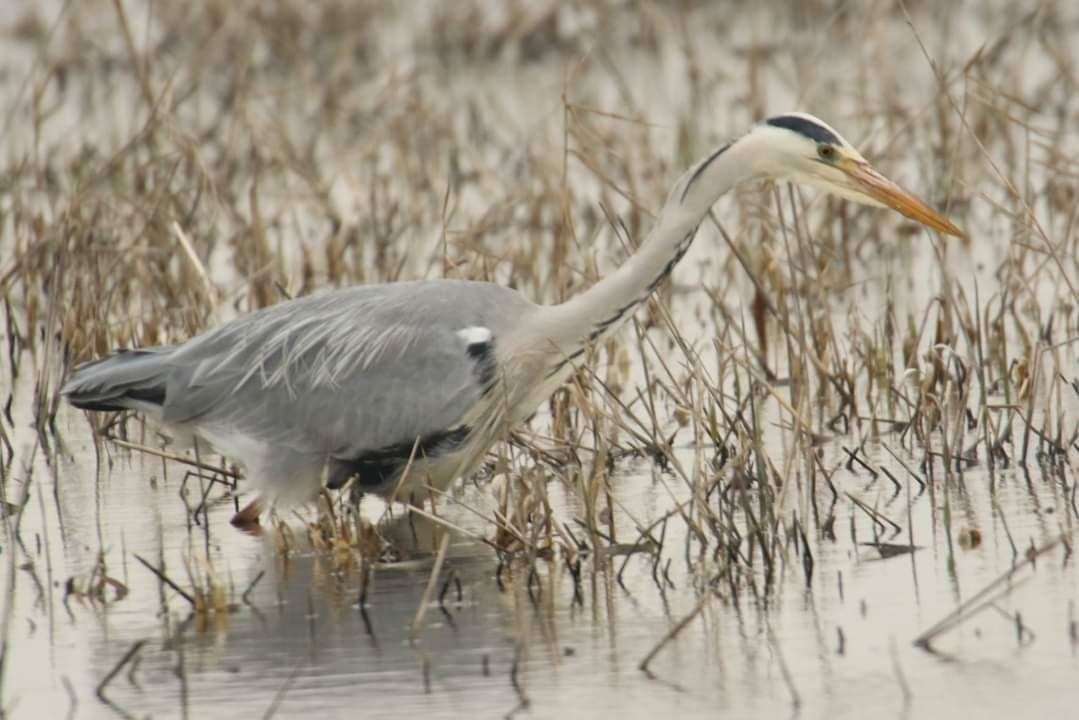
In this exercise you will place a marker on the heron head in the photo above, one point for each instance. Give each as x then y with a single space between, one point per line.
806 150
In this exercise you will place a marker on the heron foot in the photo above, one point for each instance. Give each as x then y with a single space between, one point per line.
247 519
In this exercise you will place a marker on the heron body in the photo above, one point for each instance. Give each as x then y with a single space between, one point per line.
405 385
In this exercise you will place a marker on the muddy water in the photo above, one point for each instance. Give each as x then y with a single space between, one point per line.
295 643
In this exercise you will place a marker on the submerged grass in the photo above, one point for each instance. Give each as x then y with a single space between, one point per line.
169 168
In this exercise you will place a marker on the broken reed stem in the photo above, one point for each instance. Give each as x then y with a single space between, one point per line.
165 579
429 591
456 528
673 633
131 652
133 55
874 515
246 596
796 699
900 676
196 263
172 456
963 611
279 695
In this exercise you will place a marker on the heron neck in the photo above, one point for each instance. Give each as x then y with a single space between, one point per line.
600 310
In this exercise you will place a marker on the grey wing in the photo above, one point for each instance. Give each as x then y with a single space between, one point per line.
348 373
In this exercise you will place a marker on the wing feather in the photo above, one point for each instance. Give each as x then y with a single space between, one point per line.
346 372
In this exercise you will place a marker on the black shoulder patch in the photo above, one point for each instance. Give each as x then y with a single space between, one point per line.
808 128
483 354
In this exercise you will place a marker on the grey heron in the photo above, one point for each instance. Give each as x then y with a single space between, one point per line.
364 383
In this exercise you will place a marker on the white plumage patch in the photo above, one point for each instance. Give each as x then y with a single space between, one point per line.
475 335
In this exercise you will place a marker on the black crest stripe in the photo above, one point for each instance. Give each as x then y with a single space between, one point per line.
808 128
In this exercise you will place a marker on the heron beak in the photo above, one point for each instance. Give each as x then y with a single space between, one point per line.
868 181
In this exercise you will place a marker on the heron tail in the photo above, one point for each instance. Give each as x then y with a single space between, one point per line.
126 380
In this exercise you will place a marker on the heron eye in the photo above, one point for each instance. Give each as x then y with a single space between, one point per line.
826 152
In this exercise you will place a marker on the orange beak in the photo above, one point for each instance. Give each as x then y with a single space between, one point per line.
872 183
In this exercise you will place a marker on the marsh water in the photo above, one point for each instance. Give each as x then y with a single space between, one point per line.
90 631
298 642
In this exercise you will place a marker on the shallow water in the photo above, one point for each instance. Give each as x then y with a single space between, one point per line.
300 643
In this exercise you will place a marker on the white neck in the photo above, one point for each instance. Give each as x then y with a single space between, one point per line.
589 317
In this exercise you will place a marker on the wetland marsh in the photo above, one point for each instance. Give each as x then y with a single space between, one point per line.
828 471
